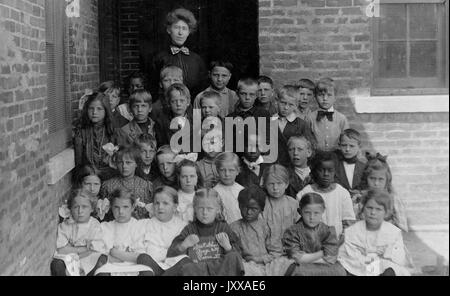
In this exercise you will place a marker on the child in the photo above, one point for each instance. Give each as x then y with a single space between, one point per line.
327 124
247 91
280 211
180 24
266 95
306 92
141 105
87 179
124 237
299 150
288 123
80 234
220 75
179 99
189 179
261 258
160 232
95 131
120 112
349 168
136 81
169 75
338 204
147 145
165 159
253 163
311 243
212 145
210 110
209 241
227 165
374 247
127 159
377 175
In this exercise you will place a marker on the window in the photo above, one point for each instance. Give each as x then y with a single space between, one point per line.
411 48
59 115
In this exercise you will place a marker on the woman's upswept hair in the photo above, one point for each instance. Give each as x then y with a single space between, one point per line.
182 14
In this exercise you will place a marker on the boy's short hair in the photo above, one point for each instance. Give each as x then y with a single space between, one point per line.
171 69
351 134
382 197
222 64
140 96
82 172
289 91
252 192
210 95
319 157
182 14
246 82
265 79
137 75
146 139
307 83
104 86
184 91
300 138
166 149
325 84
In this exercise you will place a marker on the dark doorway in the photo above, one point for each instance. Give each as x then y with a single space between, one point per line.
227 29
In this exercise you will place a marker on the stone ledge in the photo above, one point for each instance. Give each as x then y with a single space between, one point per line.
401 104
60 165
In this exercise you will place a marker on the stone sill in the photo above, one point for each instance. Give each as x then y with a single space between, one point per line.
60 165
401 104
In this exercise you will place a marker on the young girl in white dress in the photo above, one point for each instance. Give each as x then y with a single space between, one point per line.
79 244
160 232
374 247
189 180
124 237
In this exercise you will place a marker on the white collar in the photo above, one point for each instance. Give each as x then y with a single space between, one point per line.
329 110
291 117
259 161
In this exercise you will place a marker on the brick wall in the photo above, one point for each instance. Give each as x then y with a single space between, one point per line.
314 38
28 206
129 34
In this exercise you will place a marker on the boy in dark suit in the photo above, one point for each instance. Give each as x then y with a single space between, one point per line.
350 168
288 123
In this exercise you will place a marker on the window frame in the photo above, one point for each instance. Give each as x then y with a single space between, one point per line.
403 86
60 139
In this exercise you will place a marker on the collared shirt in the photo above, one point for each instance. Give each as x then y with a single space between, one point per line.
228 100
349 172
327 132
254 166
303 114
303 173
282 121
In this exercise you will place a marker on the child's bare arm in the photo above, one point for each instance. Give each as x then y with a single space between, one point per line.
124 255
69 249
307 258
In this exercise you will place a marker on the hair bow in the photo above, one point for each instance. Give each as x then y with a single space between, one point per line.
102 208
377 156
190 156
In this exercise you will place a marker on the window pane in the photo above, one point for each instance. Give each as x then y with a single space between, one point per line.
392 21
392 59
423 21
423 59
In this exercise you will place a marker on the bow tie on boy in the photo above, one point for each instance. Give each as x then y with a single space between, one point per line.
327 114
175 50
